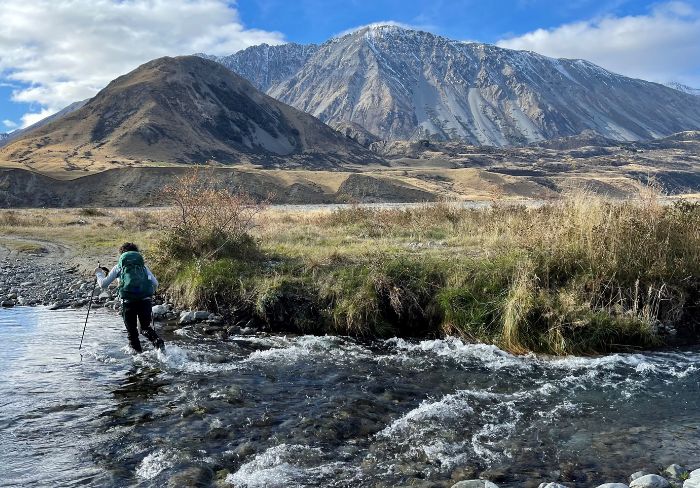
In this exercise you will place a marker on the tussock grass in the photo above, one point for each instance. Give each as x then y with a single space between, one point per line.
580 275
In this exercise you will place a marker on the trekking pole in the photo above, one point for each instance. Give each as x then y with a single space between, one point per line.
92 293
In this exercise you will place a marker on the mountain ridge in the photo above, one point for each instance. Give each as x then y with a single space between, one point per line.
400 83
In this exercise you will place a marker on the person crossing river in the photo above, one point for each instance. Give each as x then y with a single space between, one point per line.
136 287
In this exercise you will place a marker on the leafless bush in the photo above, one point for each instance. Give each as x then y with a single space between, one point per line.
207 220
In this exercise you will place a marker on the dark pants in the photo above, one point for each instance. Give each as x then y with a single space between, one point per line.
133 310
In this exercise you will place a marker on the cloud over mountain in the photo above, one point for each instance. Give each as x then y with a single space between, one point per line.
661 46
61 51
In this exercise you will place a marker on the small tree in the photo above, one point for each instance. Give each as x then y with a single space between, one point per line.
207 220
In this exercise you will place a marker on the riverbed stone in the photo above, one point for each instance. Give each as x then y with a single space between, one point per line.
693 482
650 481
186 318
694 473
7 303
201 315
675 471
552 485
613 485
475 484
193 476
638 474
160 311
105 295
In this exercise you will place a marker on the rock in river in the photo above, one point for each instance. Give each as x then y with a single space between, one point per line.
613 485
650 481
160 311
475 484
692 482
552 485
186 318
675 471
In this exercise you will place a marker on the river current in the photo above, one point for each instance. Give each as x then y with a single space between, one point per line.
284 411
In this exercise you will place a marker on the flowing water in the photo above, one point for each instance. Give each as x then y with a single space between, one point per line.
271 411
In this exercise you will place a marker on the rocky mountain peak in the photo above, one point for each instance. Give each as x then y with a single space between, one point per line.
400 83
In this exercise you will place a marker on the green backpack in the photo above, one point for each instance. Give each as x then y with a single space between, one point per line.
133 280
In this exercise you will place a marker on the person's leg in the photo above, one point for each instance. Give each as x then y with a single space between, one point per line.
144 313
130 315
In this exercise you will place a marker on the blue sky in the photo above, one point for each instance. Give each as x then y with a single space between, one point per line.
55 52
306 21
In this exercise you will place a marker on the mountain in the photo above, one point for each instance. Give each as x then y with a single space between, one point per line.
183 110
47 120
399 84
684 88
266 66
3 137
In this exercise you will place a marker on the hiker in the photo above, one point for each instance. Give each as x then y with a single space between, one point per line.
136 287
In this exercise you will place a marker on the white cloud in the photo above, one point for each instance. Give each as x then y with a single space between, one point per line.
661 46
67 50
9 124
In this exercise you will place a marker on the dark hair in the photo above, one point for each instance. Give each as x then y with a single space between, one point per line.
128 246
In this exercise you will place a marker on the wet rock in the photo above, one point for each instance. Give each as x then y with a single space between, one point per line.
675 471
160 311
463 473
552 485
186 318
105 295
59 305
638 474
613 485
495 474
693 482
215 319
191 477
650 481
475 484
695 473
7 303
201 315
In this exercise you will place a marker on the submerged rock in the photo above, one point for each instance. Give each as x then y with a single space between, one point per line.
475 484
650 481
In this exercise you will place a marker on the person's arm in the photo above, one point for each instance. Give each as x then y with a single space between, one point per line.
152 277
104 281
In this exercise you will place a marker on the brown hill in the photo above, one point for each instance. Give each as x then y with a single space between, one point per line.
183 110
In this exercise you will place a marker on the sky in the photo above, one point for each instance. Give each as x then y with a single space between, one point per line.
55 52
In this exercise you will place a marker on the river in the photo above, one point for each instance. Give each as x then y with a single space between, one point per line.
269 411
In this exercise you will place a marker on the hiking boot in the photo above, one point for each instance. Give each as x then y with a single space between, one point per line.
160 345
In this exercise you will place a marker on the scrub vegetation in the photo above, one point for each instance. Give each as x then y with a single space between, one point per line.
578 275
581 275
